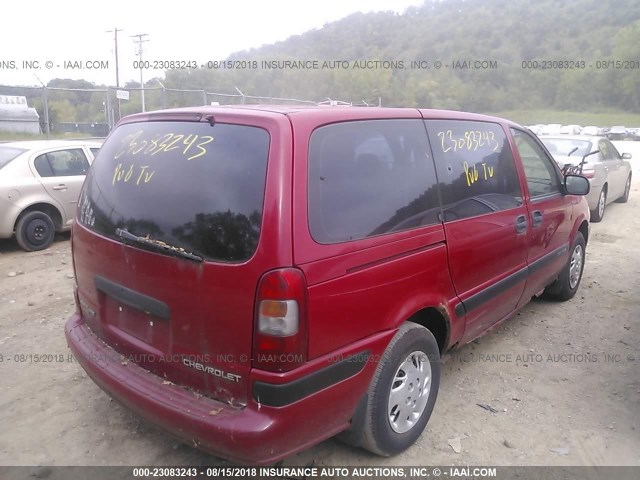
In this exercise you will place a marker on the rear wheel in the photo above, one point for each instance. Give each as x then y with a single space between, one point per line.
401 395
627 188
566 286
598 213
35 231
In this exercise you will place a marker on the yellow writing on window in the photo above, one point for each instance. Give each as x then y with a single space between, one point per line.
132 174
472 175
470 140
190 146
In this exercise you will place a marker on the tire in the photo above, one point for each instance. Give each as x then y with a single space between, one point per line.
381 424
567 283
598 214
627 189
35 231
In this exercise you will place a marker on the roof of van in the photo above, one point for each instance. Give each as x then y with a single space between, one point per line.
340 112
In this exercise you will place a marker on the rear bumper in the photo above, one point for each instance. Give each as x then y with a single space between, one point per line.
254 434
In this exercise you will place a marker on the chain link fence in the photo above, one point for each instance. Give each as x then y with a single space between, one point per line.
94 112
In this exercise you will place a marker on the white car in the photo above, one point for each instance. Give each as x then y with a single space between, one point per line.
590 130
551 129
609 173
537 128
40 182
570 129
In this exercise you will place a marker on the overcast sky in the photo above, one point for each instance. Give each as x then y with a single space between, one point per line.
73 31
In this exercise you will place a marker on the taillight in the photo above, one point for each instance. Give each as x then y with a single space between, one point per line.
280 326
588 173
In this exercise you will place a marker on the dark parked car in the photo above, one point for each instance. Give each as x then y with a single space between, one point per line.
259 279
617 133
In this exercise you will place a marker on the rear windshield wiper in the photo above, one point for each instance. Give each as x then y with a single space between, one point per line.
157 245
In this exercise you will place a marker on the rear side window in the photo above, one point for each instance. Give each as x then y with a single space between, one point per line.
190 185
604 150
62 163
369 178
609 151
42 166
475 166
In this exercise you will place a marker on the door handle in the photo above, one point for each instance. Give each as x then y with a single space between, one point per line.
62 186
537 218
521 224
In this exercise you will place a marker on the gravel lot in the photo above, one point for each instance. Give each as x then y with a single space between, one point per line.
563 379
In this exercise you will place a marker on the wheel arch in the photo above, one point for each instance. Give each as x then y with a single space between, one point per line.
584 229
47 208
436 320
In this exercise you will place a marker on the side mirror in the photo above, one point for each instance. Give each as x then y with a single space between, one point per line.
626 156
576 185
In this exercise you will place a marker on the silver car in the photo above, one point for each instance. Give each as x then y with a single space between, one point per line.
608 172
40 183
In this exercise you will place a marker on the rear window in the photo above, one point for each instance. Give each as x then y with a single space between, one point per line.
190 185
562 147
9 153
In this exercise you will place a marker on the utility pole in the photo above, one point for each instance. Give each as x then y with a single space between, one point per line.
115 41
45 106
140 41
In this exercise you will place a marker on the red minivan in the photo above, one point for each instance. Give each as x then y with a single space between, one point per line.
258 279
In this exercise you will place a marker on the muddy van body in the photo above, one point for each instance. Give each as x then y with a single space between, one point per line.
258 279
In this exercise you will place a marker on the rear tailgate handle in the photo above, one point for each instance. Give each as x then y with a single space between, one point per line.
62 186
537 218
521 224
133 299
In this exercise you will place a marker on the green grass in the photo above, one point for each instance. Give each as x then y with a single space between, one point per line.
600 119
12 137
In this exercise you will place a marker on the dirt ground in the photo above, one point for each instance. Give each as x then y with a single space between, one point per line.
563 379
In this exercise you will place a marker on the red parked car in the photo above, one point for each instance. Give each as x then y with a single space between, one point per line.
259 279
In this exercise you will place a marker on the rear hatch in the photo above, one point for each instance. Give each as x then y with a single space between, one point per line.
169 223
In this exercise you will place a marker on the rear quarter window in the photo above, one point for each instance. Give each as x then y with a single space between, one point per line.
370 178
191 185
